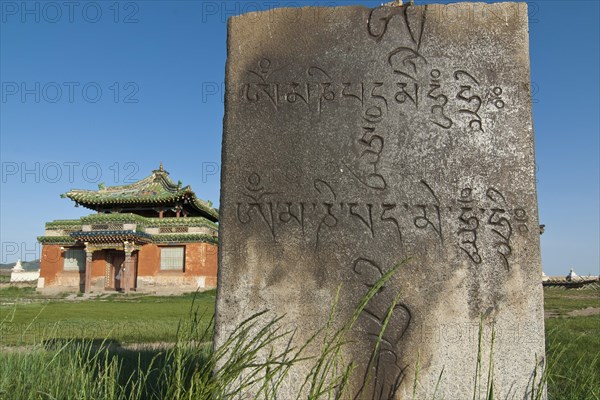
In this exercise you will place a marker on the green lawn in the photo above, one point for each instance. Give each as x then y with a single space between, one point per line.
563 301
573 342
29 317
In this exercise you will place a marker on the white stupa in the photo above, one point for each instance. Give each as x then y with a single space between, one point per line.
18 267
572 275
18 274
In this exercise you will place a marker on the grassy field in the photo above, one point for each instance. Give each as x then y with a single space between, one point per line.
573 343
109 333
29 317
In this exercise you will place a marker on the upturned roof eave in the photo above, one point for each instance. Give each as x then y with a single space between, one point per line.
97 200
162 188
205 211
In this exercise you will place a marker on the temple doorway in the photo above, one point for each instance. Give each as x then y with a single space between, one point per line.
114 278
114 270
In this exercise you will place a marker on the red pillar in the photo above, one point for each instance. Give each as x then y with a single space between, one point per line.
88 270
127 272
128 267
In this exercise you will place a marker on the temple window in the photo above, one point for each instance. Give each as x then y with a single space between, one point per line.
74 260
172 258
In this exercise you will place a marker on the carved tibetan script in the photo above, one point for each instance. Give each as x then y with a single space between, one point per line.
357 138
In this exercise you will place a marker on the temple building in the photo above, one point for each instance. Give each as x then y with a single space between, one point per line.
151 235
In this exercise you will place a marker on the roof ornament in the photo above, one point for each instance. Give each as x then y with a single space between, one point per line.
160 168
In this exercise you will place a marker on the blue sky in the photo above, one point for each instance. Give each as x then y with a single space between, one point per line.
103 91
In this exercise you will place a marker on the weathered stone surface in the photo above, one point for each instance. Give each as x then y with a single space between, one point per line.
355 138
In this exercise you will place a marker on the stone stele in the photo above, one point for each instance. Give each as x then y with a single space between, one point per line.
357 138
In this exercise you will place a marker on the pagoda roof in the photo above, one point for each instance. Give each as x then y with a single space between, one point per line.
155 190
111 236
129 218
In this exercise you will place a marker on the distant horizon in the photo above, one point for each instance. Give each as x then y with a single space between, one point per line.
90 211
7 266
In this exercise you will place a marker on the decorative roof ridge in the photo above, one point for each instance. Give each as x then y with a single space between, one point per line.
166 181
134 218
205 203
184 237
65 221
56 239
112 216
109 232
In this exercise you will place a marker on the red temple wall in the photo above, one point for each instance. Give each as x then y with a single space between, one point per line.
51 262
201 260
200 268
148 263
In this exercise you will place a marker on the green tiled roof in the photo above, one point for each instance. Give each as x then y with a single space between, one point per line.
125 218
56 240
185 237
156 189
139 235
64 224
109 235
129 218
129 235
184 221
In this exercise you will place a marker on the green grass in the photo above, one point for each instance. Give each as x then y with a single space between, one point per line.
573 344
189 369
99 369
91 368
573 350
15 292
562 301
133 318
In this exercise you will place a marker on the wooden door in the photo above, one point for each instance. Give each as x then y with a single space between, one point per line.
115 262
